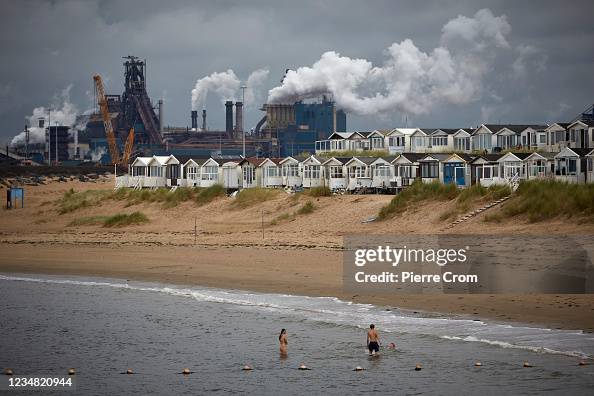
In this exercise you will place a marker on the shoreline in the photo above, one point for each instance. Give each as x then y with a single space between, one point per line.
280 270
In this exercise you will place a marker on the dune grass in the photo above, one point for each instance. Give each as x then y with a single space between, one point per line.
417 192
546 199
251 196
117 220
322 191
206 195
470 197
73 200
307 208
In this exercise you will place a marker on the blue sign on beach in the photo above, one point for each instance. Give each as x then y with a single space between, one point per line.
13 195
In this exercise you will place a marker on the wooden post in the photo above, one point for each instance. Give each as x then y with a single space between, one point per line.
195 226
262 223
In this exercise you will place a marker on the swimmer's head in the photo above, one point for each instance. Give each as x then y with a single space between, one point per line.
372 326
283 331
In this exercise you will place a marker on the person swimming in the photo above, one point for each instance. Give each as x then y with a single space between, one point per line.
284 343
373 340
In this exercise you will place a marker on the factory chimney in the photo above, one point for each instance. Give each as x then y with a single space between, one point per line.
229 116
238 117
194 119
204 119
161 115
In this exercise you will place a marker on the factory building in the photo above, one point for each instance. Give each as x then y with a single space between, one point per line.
56 143
294 128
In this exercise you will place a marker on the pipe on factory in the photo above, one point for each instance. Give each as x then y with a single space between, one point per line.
238 117
204 119
194 116
161 115
229 116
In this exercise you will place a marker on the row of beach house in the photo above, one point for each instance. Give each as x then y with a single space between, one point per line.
486 137
361 173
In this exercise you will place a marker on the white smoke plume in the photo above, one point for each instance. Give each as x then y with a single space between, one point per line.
410 80
227 86
63 112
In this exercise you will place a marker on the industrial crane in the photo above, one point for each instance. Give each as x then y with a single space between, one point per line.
114 151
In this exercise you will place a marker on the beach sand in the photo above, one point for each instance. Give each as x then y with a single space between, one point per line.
301 256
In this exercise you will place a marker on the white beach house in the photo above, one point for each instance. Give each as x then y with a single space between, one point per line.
382 171
358 171
271 173
406 168
335 177
485 169
312 172
571 165
292 171
457 169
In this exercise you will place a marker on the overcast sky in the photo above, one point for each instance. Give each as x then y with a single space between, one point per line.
536 66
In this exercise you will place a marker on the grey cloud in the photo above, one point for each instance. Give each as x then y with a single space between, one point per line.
49 45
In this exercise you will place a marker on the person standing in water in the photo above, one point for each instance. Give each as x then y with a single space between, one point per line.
373 340
282 339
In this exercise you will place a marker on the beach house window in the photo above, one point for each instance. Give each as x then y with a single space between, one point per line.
382 170
512 169
336 172
543 138
572 166
138 170
405 171
440 141
397 141
418 141
291 170
484 141
430 170
377 142
357 171
192 173
312 171
249 174
271 171
210 172
590 164
462 144
156 171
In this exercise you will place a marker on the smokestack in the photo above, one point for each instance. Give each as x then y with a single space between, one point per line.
194 119
160 115
76 153
229 116
204 119
238 117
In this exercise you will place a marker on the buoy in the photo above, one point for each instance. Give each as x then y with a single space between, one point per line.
247 367
478 364
582 363
71 371
526 364
129 371
8 371
358 368
186 371
303 367
418 367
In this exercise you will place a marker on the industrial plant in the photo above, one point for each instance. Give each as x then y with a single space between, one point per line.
132 124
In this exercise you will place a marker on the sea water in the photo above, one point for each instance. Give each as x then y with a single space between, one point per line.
101 327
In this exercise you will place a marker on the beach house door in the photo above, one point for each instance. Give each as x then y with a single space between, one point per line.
460 181
448 172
